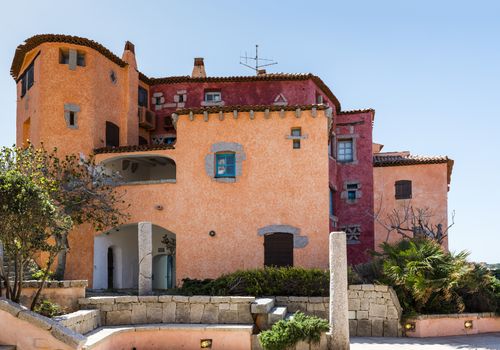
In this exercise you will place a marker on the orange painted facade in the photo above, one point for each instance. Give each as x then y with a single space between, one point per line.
86 100
430 180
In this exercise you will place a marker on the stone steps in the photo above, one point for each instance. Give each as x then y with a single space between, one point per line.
266 313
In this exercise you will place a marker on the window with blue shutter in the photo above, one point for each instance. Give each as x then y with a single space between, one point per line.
225 165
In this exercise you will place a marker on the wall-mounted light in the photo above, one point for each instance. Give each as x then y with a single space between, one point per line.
211 233
410 326
205 343
159 207
468 324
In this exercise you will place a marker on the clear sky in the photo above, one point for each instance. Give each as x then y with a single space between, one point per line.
430 69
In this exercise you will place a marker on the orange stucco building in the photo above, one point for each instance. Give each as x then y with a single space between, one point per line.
221 173
406 184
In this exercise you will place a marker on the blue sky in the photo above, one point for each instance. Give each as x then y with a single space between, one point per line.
430 69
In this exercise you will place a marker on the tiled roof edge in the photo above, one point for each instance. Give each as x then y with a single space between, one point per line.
255 108
36 40
137 148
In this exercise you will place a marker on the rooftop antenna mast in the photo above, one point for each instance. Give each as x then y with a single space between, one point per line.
257 60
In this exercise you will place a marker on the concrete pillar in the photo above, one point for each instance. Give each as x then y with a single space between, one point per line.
145 247
338 338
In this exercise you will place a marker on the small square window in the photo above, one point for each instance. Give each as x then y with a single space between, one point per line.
403 189
181 98
351 195
332 196
345 151
143 97
225 165
213 96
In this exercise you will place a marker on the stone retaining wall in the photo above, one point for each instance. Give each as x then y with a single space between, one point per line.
82 321
317 306
63 293
121 310
374 311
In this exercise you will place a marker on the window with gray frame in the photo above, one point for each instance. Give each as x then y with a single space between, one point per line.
345 151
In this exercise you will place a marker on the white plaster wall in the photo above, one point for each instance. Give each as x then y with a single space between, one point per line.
124 244
126 256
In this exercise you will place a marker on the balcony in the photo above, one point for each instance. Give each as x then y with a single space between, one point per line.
147 118
141 169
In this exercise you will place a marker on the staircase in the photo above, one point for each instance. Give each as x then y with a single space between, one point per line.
267 314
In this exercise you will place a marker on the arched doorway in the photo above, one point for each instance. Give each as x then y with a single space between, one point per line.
278 249
116 257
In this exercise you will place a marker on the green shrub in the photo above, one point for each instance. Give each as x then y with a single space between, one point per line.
429 280
48 308
286 333
261 282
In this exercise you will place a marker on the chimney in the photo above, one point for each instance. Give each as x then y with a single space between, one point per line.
130 47
261 72
199 68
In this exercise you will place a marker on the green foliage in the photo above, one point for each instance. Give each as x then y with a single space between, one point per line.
48 308
429 280
286 333
258 282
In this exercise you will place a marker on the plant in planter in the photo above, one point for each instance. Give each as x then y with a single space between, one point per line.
285 334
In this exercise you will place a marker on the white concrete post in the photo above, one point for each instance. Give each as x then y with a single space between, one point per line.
338 338
145 247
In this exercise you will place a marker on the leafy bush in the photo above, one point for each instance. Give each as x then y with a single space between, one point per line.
430 280
258 282
286 333
48 308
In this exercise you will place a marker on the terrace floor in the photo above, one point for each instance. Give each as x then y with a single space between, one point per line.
489 341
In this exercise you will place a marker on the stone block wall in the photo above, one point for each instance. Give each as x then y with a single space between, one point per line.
82 321
121 310
317 306
374 311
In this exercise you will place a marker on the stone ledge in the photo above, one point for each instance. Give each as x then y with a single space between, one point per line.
58 331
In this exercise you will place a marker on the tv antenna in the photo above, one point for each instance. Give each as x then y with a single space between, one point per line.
257 61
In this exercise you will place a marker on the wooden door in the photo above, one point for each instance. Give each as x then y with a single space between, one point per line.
278 249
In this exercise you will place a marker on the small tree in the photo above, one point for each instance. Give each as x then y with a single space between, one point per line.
412 222
80 190
29 225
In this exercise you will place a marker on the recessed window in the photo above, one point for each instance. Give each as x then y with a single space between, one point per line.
345 151
213 96
296 132
72 119
27 79
351 191
72 57
143 97
181 98
403 189
112 135
112 76
332 196
225 165
319 99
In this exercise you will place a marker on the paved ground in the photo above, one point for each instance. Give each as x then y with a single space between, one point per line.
489 341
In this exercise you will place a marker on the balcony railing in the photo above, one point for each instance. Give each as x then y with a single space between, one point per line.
147 118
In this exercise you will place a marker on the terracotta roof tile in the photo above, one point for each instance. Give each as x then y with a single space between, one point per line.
358 111
255 108
264 77
36 40
137 148
405 158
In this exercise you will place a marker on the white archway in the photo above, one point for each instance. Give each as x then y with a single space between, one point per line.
123 241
